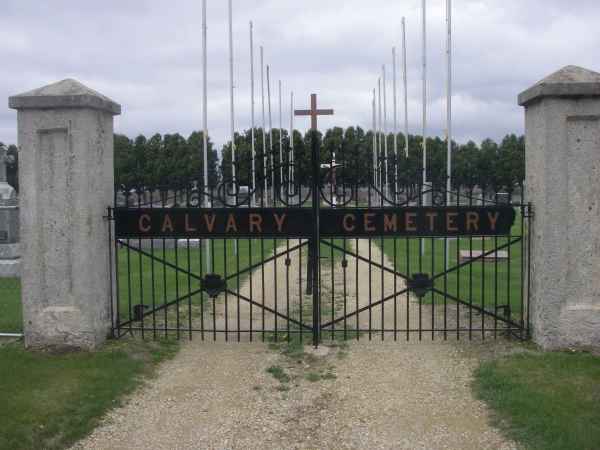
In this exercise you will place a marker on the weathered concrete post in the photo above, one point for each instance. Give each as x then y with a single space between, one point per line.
66 183
562 121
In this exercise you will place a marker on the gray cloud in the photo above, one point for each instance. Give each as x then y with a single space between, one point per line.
147 56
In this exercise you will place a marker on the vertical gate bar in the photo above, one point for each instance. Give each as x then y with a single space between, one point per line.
110 219
262 277
237 280
177 305
153 276
470 275
496 286
117 286
201 269
316 285
370 267
522 270
408 242
287 285
189 283
433 242
382 287
529 215
332 289
508 276
300 291
396 271
356 261
276 296
421 248
446 288
345 293
140 262
189 272
482 263
382 259
458 294
214 299
225 251
130 318
251 287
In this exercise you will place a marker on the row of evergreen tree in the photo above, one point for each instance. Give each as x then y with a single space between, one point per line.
174 160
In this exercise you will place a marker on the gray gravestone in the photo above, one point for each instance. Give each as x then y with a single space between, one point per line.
562 128
9 224
66 181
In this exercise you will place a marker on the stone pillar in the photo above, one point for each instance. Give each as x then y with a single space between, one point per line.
66 183
562 122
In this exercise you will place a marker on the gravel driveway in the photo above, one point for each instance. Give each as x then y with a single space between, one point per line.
360 395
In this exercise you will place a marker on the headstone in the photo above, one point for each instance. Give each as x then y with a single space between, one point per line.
499 256
66 181
562 122
10 263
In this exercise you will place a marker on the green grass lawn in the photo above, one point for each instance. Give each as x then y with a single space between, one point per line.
50 401
484 284
144 281
11 314
545 401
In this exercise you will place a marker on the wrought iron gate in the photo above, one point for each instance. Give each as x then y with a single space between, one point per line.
336 254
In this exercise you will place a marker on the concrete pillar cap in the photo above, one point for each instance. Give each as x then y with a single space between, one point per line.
65 94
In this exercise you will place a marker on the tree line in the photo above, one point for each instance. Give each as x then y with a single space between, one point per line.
171 159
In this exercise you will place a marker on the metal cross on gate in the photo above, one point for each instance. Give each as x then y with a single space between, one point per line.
313 112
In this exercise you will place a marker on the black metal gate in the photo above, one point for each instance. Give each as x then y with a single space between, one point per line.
319 258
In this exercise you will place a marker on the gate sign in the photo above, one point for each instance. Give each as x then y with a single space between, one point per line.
298 222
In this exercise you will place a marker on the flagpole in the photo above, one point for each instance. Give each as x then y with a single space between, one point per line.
280 140
206 198
291 159
385 136
271 134
449 115
264 134
395 125
424 14
405 81
424 164
380 146
252 114
231 104
374 139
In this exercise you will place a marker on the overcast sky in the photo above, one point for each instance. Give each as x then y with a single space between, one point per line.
146 55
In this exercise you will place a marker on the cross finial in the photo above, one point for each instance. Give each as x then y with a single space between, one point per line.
313 112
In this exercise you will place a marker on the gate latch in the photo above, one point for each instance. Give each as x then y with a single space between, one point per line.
420 283
213 284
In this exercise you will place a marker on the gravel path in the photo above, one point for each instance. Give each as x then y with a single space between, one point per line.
371 395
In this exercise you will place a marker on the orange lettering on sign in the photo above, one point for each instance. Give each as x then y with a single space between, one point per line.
144 228
349 223
255 222
390 223
472 221
279 221
167 224
209 220
450 221
369 226
431 216
409 221
188 227
493 219
231 224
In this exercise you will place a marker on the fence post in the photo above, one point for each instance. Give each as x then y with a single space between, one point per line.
65 133
562 126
